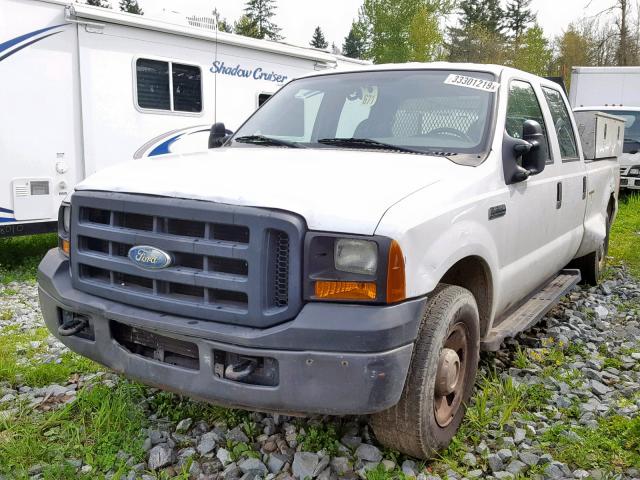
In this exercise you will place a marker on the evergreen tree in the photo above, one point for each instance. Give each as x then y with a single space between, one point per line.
532 53
318 40
260 13
99 3
478 36
223 25
518 17
354 45
131 6
245 26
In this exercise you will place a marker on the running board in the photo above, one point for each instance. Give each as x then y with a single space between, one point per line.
532 311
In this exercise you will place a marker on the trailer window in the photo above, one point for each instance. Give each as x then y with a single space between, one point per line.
168 86
562 124
153 84
187 88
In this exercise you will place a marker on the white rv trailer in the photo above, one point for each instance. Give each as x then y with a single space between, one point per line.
85 87
616 91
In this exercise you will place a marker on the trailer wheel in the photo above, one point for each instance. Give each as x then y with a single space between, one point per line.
592 265
440 380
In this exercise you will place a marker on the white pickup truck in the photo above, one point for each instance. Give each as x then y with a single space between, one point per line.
349 250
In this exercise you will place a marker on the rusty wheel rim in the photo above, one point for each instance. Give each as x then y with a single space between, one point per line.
450 377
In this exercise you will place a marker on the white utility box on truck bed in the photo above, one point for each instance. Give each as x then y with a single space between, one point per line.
601 134
349 250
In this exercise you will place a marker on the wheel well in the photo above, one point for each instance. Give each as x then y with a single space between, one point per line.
473 274
611 207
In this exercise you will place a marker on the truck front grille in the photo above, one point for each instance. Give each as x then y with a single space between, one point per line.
230 264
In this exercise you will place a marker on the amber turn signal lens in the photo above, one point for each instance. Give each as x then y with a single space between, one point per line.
396 287
346 290
65 246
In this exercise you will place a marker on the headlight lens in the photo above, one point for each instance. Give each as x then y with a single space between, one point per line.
356 256
66 218
634 171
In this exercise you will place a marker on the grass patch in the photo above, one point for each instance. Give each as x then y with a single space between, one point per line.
20 256
19 362
625 233
98 424
614 446
320 437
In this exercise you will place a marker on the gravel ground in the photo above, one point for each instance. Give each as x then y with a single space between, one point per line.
584 358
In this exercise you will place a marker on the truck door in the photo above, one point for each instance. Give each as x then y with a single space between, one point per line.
572 181
531 254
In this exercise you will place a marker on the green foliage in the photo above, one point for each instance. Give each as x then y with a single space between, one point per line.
380 473
518 16
19 362
238 450
93 428
320 437
613 446
532 52
223 24
20 256
318 40
99 3
257 20
354 45
402 30
625 234
176 407
131 6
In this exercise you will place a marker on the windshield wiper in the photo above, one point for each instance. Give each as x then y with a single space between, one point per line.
367 143
267 141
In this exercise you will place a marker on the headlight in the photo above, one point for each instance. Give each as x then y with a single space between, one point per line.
66 218
352 268
634 171
356 256
64 226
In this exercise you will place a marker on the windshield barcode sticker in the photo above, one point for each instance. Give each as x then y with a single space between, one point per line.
471 82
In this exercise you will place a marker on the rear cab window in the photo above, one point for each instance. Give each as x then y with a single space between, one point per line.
562 125
168 86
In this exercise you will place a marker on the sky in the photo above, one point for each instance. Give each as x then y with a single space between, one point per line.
298 18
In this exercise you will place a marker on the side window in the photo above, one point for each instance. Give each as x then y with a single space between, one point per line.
152 77
168 86
562 124
187 88
523 105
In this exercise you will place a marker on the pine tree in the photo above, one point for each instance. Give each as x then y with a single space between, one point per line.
478 37
487 14
518 17
223 24
318 40
354 45
131 6
260 13
247 27
99 3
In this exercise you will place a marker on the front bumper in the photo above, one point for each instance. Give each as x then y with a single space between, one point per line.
331 359
632 183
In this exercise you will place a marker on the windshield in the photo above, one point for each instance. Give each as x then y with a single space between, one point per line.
631 129
419 111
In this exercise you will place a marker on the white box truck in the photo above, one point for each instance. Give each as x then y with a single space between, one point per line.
85 87
613 90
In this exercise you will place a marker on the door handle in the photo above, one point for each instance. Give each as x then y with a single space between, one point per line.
584 187
558 195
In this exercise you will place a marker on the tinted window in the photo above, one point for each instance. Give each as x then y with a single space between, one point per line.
562 124
263 97
187 91
523 105
153 84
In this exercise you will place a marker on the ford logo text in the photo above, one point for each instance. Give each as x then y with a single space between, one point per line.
148 257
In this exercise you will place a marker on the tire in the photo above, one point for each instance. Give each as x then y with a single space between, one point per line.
421 424
592 265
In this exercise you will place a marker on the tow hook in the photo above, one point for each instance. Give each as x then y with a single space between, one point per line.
241 370
71 325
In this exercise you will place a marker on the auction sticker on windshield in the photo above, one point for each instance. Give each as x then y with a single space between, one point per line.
472 82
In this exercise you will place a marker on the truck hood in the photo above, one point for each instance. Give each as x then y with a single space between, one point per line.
334 190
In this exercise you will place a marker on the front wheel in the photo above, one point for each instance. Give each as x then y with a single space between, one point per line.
440 380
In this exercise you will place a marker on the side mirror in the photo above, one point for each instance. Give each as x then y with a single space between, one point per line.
535 159
218 135
526 156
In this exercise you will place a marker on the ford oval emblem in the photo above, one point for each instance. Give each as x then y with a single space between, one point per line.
148 257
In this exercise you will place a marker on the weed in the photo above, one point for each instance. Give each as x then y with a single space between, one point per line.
320 437
238 450
6 315
19 256
380 473
623 246
521 359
